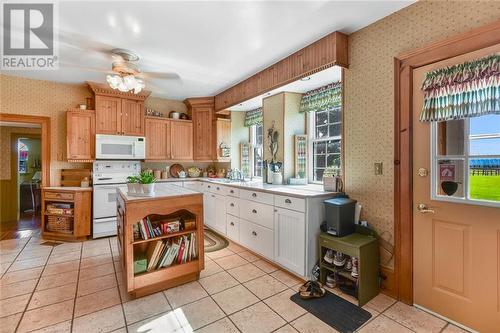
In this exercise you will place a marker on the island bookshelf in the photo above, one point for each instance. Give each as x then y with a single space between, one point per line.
184 204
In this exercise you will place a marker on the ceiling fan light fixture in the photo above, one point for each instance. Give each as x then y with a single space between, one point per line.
125 83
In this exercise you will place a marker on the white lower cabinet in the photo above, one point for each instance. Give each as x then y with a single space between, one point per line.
220 213
257 238
289 239
233 227
209 209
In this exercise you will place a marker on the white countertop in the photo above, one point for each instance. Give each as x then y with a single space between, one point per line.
306 191
160 193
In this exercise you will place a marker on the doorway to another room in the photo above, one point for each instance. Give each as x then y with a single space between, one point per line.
23 173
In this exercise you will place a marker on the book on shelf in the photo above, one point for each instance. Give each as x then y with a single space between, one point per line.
150 229
167 252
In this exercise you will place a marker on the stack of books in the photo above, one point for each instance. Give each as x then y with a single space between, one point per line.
171 251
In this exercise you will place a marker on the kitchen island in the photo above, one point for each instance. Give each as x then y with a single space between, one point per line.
160 238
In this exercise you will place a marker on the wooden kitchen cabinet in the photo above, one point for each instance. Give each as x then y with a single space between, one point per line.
157 139
202 113
132 117
181 140
80 136
222 138
118 113
108 112
169 139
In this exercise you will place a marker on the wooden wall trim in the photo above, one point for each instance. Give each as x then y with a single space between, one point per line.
105 90
404 65
326 52
46 144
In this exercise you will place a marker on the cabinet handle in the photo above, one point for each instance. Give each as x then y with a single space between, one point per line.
288 201
254 195
254 211
254 233
232 204
213 195
275 210
232 223
231 191
218 188
209 186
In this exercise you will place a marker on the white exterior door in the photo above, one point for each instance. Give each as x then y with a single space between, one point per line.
289 239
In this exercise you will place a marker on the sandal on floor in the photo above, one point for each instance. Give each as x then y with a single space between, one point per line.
315 291
307 285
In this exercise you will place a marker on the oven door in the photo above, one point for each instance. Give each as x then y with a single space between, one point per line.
105 200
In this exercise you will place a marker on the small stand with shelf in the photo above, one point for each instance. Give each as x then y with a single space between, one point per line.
66 213
362 246
160 239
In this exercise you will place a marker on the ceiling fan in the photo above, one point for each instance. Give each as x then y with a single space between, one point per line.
125 74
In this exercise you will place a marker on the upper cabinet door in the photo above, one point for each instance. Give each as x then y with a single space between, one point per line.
108 115
157 139
181 140
132 117
80 135
203 133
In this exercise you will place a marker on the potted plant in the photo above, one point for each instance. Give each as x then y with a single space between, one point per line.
131 184
148 182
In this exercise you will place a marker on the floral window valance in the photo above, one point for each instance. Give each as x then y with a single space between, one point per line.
326 97
466 90
253 117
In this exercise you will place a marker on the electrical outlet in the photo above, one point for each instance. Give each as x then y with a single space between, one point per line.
378 168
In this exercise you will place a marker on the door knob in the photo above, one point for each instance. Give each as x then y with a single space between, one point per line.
422 208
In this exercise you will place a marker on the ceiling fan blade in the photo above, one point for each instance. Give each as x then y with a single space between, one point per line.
159 75
89 69
78 41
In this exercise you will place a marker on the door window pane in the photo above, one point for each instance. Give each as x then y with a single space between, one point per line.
484 179
450 137
450 178
485 146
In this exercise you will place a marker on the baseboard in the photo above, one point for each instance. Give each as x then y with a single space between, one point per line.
389 284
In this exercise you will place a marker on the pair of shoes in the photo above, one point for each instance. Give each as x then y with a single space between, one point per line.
313 289
348 265
329 256
331 281
355 267
339 259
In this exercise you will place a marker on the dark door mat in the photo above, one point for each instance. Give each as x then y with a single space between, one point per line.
335 311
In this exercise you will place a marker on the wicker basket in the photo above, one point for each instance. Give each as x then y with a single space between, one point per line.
60 224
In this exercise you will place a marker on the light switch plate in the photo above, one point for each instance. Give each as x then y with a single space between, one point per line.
378 168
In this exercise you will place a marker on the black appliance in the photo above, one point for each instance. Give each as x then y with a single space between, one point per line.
340 216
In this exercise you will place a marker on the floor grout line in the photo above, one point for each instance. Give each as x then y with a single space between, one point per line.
76 291
34 290
13 261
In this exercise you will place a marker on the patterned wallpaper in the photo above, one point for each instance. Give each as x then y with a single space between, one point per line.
369 94
53 99
5 147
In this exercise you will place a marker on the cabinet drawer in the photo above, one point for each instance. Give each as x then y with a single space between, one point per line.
257 213
233 192
209 187
262 197
233 227
218 189
202 187
59 195
290 203
257 238
233 206
195 186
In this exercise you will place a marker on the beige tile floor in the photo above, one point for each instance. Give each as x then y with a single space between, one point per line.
78 287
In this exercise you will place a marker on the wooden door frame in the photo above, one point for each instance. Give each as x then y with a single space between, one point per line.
44 122
404 65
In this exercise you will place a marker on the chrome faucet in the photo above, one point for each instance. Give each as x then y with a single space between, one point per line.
236 174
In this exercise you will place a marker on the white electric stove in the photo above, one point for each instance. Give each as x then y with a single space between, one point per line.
107 177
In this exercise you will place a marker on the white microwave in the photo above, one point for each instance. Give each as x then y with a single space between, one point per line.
120 147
